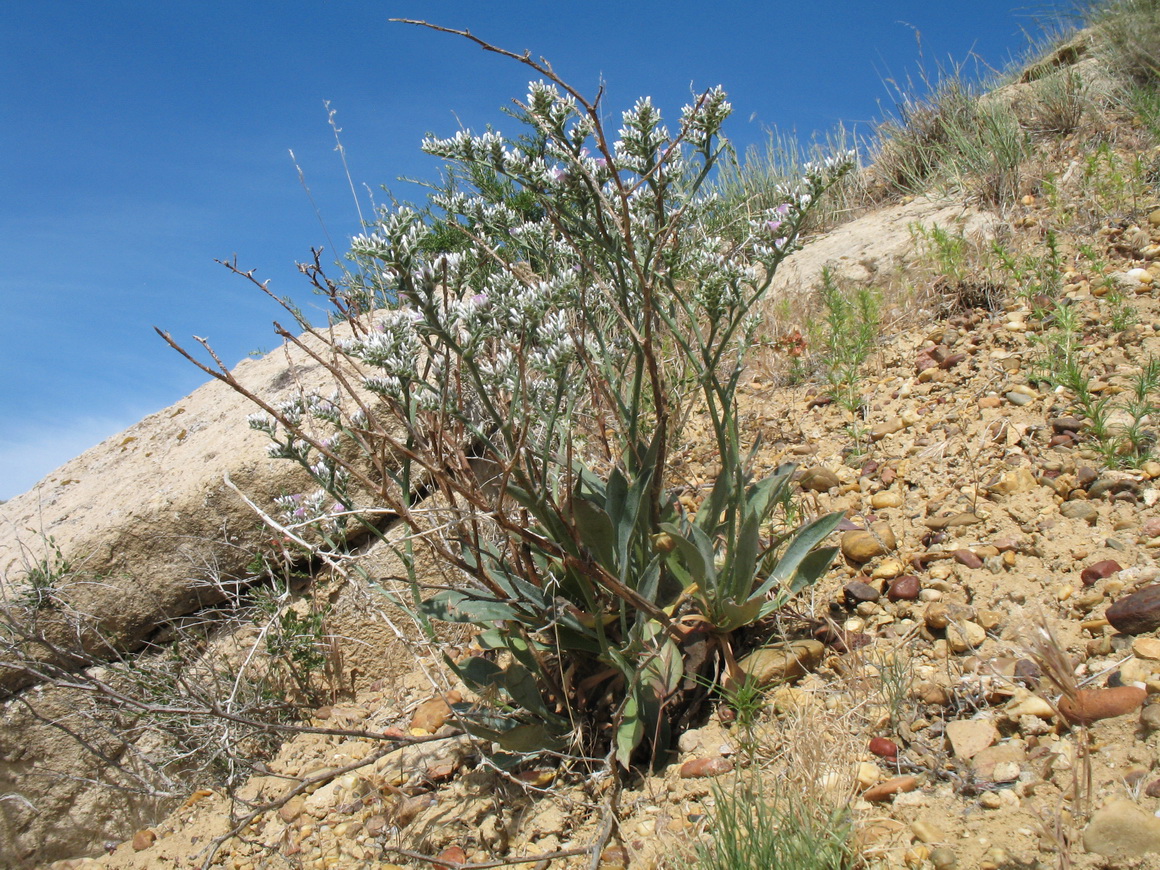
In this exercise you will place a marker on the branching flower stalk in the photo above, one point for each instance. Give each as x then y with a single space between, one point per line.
521 352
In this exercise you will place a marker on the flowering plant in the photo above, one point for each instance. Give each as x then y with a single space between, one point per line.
521 353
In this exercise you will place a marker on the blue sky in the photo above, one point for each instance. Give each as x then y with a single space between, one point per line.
144 138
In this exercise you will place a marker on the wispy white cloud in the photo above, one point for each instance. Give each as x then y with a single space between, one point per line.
30 453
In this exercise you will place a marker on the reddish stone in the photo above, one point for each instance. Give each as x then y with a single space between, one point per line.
452 856
700 767
1061 425
1099 571
883 747
1091 705
966 557
1136 613
888 788
904 588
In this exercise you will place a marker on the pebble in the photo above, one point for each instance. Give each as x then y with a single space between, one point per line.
142 840
1032 705
965 636
1122 830
990 800
1150 717
884 747
1062 425
1146 647
1018 480
782 661
866 773
1091 705
886 499
1086 476
1019 399
292 809
940 614
453 855
705 767
1006 752
1137 613
1080 510
967 558
888 569
818 479
1098 571
969 737
896 424
964 518
431 715
856 591
943 858
1006 771
861 546
890 787
904 588
927 832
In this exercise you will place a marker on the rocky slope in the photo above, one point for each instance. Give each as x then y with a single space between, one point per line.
973 681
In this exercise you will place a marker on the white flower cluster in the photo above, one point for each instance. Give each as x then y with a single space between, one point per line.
702 120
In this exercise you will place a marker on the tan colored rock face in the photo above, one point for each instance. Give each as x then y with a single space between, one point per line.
145 519
147 524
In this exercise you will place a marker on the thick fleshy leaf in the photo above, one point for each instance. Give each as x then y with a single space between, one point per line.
630 732
480 673
808 537
686 553
526 737
596 531
524 690
455 606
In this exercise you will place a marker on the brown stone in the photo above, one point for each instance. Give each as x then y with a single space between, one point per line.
432 713
1136 613
861 546
703 767
966 557
985 762
884 747
142 840
1091 705
896 424
889 788
782 661
856 591
1080 510
1098 571
964 518
453 855
904 588
818 479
